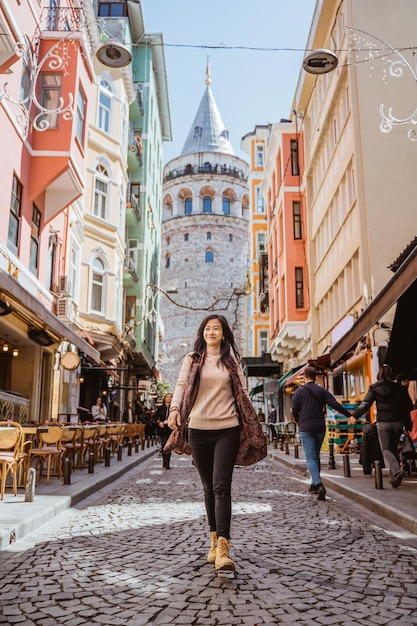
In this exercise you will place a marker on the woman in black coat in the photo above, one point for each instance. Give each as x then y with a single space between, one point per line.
163 430
393 406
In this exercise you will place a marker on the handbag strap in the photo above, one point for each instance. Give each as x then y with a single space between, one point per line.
311 392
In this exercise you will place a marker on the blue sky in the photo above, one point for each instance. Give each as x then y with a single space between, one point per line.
250 86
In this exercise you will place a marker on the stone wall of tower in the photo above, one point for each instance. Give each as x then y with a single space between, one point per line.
194 286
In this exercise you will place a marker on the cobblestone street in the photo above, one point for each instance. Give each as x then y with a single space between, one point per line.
136 555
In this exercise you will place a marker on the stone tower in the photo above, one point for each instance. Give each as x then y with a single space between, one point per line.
204 247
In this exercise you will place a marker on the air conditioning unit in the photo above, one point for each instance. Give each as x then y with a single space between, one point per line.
63 308
63 285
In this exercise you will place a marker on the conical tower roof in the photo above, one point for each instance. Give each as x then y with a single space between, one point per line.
208 133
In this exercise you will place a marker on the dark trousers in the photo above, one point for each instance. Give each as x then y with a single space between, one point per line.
166 456
214 455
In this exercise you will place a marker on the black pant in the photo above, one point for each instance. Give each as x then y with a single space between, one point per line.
166 456
214 454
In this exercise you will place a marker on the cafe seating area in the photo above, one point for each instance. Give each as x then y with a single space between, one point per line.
55 450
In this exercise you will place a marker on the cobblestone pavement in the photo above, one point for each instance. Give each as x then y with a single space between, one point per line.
136 555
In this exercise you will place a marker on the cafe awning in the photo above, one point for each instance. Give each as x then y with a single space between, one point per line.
261 366
255 390
390 294
28 307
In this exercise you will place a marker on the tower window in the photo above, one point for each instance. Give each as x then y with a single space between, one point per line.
209 256
226 206
188 206
206 204
208 235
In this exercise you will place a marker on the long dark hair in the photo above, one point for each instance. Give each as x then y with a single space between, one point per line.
228 341
385 373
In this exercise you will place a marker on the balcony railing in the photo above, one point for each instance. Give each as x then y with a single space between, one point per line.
192 170
61 19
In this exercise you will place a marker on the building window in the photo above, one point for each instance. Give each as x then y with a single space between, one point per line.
206 204
207 167
100 192
208 235
295 165
263 341
50 97
104 106
111 9
209 256
186 237
97 286
296 217
260 244
14 217
74 265
230 238
299 288
225 134
80 116
34 240
259 156
260 202
188 206
130 310
198 131
168 261
226 206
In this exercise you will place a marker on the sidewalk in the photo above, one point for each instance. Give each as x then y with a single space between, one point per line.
19 518
397 505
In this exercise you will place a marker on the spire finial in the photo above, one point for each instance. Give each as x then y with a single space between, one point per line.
208 78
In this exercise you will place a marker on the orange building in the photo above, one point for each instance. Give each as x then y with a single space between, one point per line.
289 297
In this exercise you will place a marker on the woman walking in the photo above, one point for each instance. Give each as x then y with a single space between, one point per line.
212 373
161 418
393 406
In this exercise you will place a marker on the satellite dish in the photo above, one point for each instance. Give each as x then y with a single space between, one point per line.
320 62
114 55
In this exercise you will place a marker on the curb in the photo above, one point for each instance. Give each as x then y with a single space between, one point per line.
382 509
18 519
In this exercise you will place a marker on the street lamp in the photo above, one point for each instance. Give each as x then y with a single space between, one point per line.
320 62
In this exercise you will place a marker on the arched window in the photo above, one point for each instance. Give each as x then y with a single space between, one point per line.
207 167
104 106
206 204
186 237
188 206
198 131
100 192
209 256
208 235
97 284
226 206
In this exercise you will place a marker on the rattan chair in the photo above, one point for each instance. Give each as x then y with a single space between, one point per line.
49 450
11 434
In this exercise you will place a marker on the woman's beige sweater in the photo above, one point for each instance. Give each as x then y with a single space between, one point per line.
215 406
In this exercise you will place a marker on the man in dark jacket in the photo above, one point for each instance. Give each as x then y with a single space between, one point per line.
161 418
393 406
308 406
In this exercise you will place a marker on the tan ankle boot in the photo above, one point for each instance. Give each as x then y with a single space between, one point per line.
211 557
223 560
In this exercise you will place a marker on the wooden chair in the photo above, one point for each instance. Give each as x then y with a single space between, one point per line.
115 436
71 442
49 450
10 440
130 433
89 442
103 440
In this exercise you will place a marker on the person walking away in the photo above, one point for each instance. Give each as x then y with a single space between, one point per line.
161 417
99 411
308 409
393 406
272 420
213 429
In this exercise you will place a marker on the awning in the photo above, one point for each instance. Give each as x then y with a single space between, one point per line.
393 290
255 390
402 349
284 380
20 299
261 366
